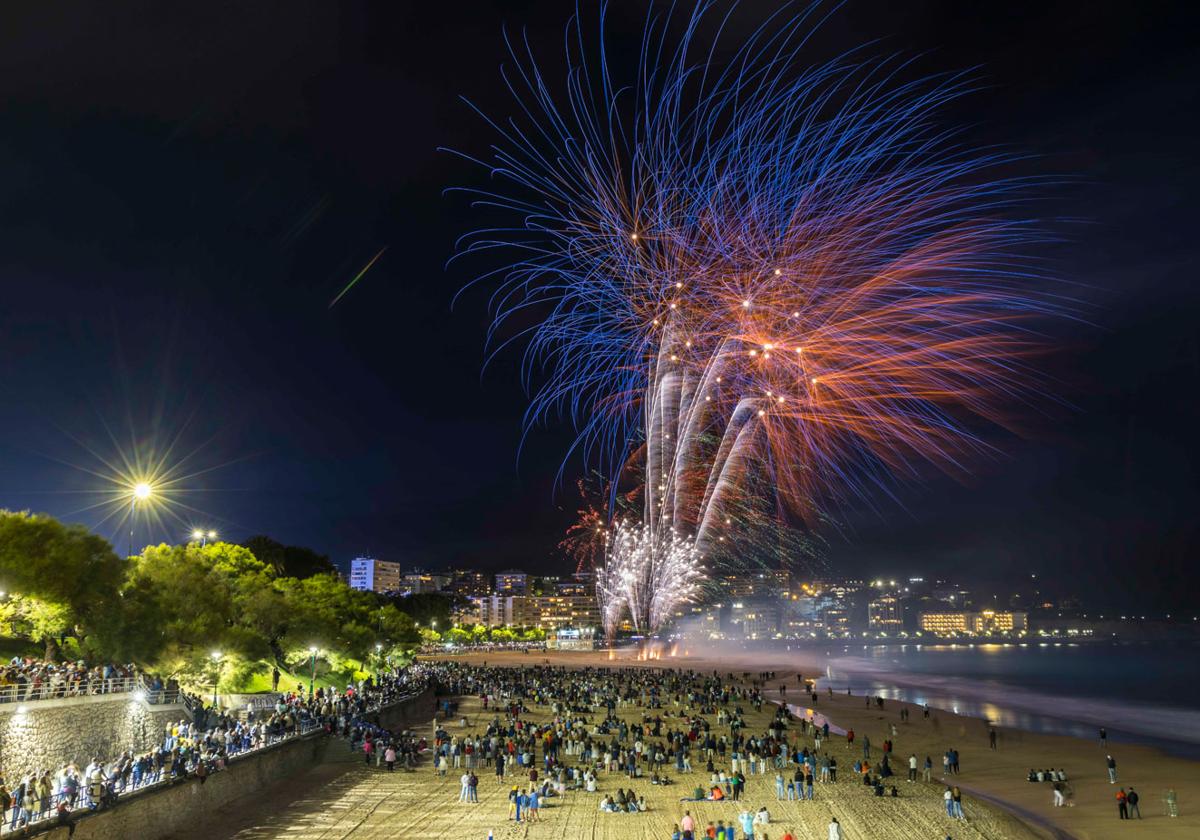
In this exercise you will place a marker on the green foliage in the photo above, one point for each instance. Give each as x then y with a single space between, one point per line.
426 607
476 634
171 607
289 560
67 578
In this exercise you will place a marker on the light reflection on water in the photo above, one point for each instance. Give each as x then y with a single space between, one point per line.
1048 687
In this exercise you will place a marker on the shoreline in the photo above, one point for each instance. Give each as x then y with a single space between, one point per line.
995 777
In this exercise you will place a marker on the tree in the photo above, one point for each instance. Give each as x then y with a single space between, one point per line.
74 575
289 560
426 608
205 598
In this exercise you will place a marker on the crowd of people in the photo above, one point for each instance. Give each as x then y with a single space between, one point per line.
25 679
649 725
198 748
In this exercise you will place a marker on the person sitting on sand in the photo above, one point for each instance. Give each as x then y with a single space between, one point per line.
716 794
763 817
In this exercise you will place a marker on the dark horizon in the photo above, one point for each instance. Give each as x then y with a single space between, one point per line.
186 191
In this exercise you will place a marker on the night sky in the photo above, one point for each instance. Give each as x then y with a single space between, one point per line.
184 189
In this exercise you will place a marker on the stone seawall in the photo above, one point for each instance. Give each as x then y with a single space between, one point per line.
45 734
160 813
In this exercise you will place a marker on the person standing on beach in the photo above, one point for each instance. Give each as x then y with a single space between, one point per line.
835 830
1112 770
1132 799
912 767
1171 801
1122 806
928 774
992 737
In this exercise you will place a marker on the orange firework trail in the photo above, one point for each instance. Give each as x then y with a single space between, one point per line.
766 269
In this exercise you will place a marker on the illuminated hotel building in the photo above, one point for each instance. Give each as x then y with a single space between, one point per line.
885 614
370 575
973 623
945 624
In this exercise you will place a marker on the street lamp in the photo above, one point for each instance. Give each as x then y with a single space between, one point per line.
313 677
141 492
216 658
378 660
203 537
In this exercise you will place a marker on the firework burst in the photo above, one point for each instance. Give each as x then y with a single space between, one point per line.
646 576
764 268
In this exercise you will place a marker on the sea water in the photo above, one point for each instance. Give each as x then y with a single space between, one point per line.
1140 691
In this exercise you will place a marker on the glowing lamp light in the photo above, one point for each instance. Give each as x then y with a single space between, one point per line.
142 490
197 535
745 304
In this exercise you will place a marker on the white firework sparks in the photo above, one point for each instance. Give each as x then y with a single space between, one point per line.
647 575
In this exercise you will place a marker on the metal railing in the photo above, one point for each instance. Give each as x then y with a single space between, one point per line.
88 798
90 687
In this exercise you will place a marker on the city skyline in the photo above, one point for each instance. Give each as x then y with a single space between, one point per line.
199 308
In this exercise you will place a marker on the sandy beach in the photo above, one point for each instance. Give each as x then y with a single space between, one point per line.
342 799
992 777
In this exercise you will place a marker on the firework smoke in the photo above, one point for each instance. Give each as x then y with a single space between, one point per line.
763 269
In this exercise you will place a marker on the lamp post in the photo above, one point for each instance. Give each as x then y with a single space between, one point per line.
203 537
216 658
141 491
378 660
313 676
